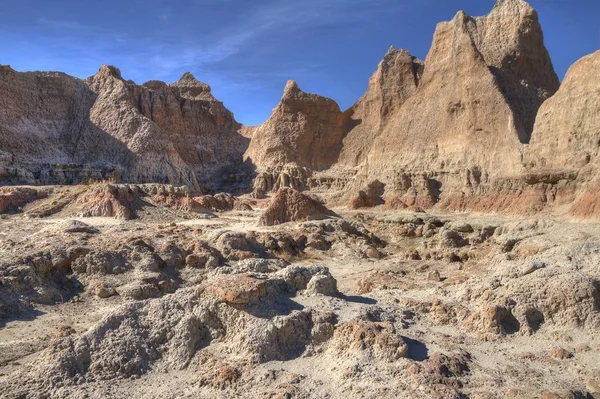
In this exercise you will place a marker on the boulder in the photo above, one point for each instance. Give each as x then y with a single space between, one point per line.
370 340
237 289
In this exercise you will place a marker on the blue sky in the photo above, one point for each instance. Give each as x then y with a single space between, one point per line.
247 49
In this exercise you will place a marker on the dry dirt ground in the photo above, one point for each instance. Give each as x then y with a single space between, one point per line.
371 304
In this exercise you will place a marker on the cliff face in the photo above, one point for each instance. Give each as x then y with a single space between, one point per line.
567 130
511 41
565 145
59 130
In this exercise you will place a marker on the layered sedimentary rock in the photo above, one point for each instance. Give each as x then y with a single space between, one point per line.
369 197
56 129
463 127
560 166
454 132
511 42
447 130
307 133
565 145
566 135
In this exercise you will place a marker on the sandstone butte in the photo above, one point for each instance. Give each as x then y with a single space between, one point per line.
482 124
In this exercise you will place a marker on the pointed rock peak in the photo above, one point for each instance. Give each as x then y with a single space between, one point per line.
188 77
291 88
192 88
394 56
393 52
189 80
109 70
462 17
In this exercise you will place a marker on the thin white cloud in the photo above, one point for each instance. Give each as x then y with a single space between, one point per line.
162 55
270 19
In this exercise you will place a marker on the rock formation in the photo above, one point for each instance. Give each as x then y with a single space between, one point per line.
12 198
304 133
454 132
425 130
56 129
462 109
197 295
559 164
565 144
289 205
304 129
369 197
156 306
395 81
511 42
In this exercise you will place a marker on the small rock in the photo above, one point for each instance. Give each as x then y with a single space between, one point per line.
323 284
76 226
434 275
139 290
373 253
560 354
536 265
105 291
63 331
463 228
318 242
166 286
196 261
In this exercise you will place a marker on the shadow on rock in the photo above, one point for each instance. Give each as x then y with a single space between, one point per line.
359 299
417 350
281 306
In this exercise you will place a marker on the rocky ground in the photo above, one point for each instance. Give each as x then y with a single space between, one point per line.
171 299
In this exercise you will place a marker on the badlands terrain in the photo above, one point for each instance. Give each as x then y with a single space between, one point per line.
439 239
